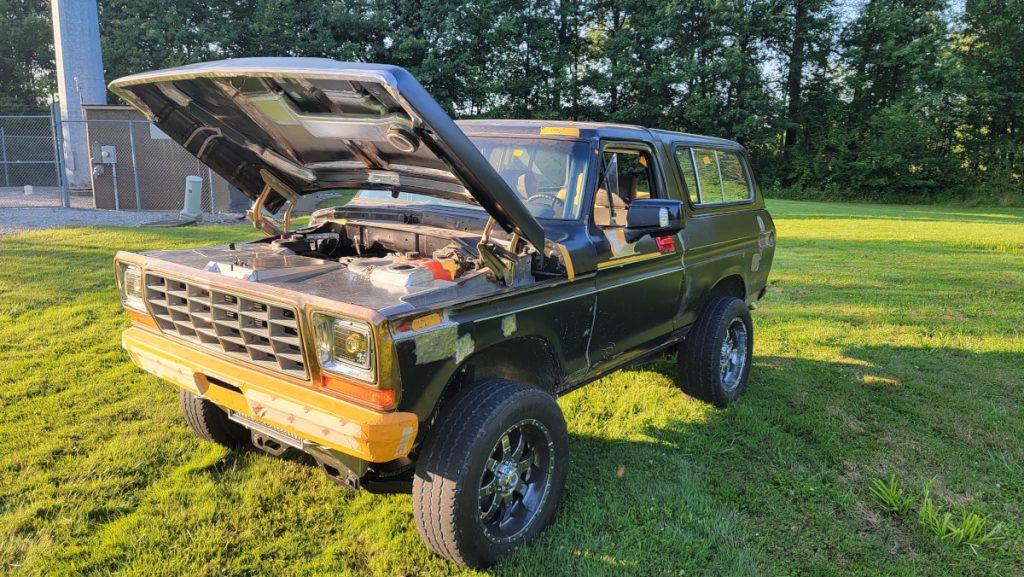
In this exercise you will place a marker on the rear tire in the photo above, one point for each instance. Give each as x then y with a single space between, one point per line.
715 358
491 472
210 422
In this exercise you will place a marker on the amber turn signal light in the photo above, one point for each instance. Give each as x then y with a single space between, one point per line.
384 398
141 318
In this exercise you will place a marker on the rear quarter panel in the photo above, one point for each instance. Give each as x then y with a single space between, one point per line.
722 241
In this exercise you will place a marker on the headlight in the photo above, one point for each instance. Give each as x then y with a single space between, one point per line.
129 281
344 346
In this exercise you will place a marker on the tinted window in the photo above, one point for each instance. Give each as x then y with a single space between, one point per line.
547 173
686 166
707 175
734 179
720 177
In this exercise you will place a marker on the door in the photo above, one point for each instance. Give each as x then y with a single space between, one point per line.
638 283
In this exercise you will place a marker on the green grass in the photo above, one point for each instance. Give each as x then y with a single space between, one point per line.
996 192
890 343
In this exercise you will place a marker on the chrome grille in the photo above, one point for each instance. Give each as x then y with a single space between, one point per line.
261 333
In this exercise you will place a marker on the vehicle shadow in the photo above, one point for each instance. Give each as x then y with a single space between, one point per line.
753 488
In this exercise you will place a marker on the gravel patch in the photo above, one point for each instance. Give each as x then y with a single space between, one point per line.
15 197
15 220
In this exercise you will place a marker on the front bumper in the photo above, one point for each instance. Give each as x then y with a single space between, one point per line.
312 416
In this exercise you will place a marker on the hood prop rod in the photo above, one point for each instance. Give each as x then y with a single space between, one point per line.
265 223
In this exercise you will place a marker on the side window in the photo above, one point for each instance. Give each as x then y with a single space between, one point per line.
720 176
707 175
626 176
685 160
735 187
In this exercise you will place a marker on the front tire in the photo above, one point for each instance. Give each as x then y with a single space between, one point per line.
715 358
491 472
210 423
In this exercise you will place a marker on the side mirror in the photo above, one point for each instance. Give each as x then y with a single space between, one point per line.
653 216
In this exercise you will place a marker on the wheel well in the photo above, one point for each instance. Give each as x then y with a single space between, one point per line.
527 360
730 286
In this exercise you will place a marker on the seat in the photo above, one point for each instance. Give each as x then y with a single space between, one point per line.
522 181
603 213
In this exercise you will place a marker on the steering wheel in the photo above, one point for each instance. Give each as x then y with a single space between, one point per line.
546 199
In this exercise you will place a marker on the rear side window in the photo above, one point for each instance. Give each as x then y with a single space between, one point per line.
714 176
735 187
686 166
707 175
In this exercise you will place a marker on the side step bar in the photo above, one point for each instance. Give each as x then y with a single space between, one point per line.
266 437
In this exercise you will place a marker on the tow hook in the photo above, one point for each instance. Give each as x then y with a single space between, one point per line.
341 476
268 444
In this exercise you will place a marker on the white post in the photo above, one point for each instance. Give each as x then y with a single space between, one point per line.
193 198
76 44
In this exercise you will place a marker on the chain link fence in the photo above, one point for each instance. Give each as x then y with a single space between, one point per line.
137 167
131 165
30 172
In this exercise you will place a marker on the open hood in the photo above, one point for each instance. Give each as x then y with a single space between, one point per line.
314 124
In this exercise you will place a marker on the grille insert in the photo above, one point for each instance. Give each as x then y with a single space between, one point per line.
262 333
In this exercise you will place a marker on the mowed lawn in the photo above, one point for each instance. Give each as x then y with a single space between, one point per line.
890 343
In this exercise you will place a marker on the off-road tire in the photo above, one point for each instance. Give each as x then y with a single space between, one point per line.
210 422
701 354
447 494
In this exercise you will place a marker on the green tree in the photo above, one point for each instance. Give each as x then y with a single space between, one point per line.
343 30
808 30
717 53
899 103
891 142
526 62
991 136
26 54
628 70
141 35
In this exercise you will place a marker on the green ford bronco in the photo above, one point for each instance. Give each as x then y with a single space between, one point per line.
415 337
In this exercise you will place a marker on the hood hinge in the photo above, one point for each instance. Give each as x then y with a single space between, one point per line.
512 271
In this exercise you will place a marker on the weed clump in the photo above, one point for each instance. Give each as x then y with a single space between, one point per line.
973 531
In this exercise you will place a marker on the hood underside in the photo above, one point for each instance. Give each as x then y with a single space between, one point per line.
315 124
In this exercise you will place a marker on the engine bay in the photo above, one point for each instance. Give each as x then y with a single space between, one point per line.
392 266
393 255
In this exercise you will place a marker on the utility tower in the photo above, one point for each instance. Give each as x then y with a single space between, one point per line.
76 43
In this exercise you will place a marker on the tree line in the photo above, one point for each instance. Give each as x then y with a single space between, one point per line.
884 100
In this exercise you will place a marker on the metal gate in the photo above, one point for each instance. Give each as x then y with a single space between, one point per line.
30 166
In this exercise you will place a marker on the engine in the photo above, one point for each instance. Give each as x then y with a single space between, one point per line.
387 256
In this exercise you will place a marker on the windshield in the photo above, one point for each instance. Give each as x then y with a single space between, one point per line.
403 197
548 174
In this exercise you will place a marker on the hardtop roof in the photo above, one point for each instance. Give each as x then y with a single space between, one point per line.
588 130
